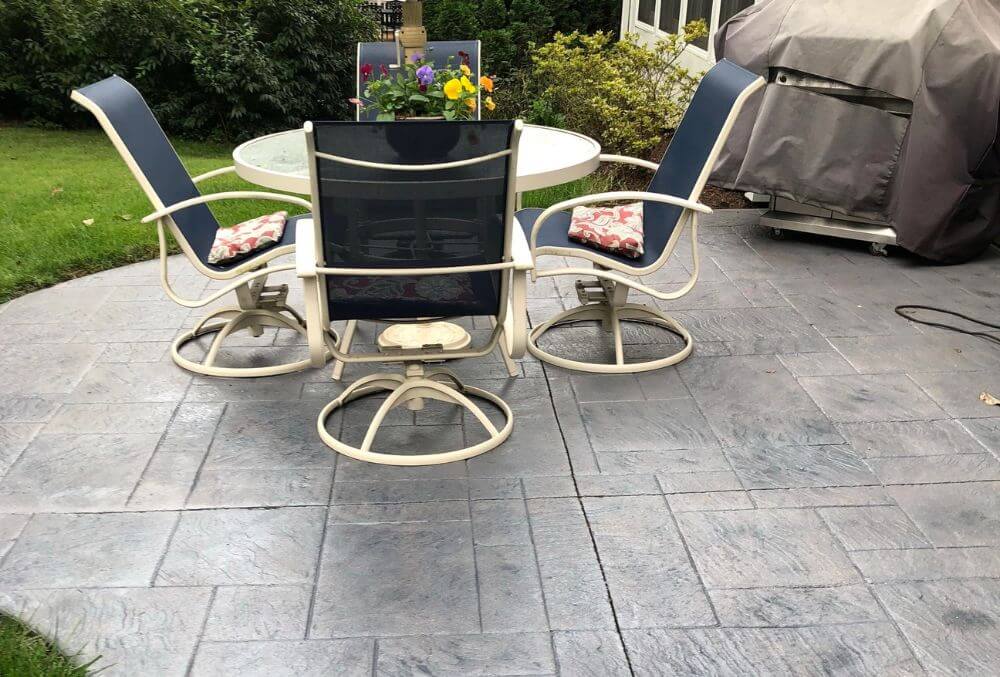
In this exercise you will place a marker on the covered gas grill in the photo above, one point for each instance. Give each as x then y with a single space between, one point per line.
879 121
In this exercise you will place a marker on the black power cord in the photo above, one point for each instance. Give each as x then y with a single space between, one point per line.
901 311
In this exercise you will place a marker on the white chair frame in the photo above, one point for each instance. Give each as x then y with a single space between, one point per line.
509 327
258 305
616 278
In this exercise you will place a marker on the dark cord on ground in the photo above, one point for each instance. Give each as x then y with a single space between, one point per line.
902 311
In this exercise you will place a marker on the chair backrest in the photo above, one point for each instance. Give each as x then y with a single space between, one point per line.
379 54
696 145
426 194
138 137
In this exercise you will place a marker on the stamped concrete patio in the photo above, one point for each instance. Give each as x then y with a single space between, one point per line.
817 490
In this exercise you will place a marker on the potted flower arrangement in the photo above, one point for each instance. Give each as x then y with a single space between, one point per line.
421 91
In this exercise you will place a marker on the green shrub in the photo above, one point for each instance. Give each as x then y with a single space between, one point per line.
623 94
507 27
221 69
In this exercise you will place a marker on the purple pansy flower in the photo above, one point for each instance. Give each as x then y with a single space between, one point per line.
425 75
416 58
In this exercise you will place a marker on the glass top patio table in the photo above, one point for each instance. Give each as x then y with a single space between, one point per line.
546 157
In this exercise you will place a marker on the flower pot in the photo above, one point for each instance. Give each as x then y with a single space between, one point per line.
427 145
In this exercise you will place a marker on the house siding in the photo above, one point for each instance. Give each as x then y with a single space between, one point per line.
694 57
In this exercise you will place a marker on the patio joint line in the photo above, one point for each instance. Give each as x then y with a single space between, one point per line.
166 549
963 426
538 572
586 433
204 458
690 558
322 547
475 554
180 511
586 520
13 541
729 462
34 436
871 591
159 443
201 631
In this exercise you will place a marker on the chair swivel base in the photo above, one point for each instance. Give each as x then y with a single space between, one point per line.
411 389
612 317
233 319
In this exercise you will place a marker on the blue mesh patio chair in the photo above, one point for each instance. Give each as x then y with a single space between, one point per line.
415 221
670 205
384 55
182 210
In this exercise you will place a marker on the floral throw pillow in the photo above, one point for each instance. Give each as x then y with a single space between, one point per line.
243 239
617 230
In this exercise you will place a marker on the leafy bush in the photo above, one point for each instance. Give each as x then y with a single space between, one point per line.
623 94
208 68
507 27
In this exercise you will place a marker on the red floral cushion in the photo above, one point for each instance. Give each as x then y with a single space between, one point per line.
612 229
243 239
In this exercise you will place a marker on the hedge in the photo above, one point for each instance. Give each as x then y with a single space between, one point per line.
223 69
508 27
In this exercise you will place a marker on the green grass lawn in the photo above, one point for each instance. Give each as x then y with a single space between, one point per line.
25 654
52 181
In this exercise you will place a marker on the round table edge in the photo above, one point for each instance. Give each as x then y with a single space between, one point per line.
300 184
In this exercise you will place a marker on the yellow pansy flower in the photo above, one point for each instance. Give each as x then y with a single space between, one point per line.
471 103
490 105
486 83
466 71
467 84
452 89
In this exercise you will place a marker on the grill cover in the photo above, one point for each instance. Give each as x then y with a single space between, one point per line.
933 175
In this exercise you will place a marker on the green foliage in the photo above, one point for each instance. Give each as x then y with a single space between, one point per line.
507 28
26 654
423 89
53 180
208 68
623 94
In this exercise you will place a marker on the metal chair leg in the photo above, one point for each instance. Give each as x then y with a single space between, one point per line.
416 384
603 312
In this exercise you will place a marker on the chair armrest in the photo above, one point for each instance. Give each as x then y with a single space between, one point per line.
213 173
626 160
231 195
519 250
305 248
613 197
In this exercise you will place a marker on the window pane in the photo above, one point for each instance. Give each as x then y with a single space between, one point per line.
670 12
730 8
647 11
700 9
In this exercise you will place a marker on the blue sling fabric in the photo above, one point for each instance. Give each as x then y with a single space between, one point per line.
679 170
379 54
382 218
142 135
134 122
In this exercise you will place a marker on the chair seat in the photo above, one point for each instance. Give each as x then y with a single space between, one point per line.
287 238
407 296
555 233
